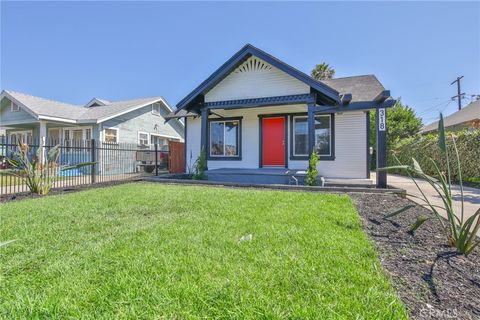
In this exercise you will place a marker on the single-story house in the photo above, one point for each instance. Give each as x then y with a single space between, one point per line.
258 116
139 121
465 118
131 125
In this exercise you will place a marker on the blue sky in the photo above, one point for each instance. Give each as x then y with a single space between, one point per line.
73 51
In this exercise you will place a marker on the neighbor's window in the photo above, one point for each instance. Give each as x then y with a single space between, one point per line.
142 138
14 107
224 138
323 135
111 135
156 108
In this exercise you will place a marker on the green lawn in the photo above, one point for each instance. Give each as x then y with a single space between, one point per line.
157 251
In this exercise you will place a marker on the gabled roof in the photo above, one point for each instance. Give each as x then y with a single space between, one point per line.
247 51
362 88
97 102
468 113
39 107
42 108
114 109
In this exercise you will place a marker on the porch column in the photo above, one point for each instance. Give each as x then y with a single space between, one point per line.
204 129
42 140
381 124
311 127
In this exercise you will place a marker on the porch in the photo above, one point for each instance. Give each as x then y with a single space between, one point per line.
279 176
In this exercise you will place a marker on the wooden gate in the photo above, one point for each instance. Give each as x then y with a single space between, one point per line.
177 157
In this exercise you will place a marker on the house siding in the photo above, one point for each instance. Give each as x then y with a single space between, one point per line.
256 82
143 120
7 116
350 149
350 142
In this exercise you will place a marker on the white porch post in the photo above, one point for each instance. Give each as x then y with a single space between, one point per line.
42 141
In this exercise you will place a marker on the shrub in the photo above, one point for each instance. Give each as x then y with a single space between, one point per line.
312 172
424 148
460 232
200 166
42 171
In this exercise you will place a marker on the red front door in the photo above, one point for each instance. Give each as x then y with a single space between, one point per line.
273 141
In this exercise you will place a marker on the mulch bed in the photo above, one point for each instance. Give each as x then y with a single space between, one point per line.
430 278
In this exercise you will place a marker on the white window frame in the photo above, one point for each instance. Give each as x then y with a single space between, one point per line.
111 128
148 138
22 132
159 108
60 132
71 129
12 109
330 136
224 144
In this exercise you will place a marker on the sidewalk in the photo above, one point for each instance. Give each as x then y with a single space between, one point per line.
471 195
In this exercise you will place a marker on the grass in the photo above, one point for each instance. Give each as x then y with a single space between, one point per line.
158 251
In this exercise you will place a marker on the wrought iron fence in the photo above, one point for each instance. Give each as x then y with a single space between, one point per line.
112 162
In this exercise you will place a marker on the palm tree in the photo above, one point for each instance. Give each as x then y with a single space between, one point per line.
323 71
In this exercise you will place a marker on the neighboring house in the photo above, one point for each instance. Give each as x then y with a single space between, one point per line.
256 112
466 118
139 121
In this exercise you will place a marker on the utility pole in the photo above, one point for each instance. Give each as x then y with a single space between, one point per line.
459 94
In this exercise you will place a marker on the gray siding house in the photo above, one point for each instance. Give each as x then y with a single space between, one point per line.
139 121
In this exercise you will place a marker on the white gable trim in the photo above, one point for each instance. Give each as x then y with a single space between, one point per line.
256 78
19 103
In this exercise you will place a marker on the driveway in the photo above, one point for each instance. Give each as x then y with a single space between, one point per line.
471 195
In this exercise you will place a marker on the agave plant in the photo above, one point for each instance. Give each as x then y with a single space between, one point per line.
461 232
41 172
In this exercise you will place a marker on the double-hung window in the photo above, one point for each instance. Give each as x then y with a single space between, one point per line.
224 139
323 136
143 138
111 135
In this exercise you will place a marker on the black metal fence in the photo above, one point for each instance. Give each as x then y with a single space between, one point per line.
112 162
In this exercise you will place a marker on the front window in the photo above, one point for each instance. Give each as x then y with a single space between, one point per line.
323 135
111 135
224 138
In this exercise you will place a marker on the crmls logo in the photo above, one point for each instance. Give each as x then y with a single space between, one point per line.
382 120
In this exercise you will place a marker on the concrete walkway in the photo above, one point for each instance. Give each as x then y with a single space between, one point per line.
471 195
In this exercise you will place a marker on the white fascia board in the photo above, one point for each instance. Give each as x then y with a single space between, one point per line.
42 117
166 136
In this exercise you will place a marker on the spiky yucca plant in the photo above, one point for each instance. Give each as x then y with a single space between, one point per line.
41 172
461 232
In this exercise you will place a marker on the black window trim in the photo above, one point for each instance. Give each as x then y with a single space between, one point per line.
330 157
239 142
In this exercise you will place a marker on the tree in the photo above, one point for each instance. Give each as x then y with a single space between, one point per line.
402 122
323 71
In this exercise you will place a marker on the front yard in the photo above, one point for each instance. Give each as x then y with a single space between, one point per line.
147 250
